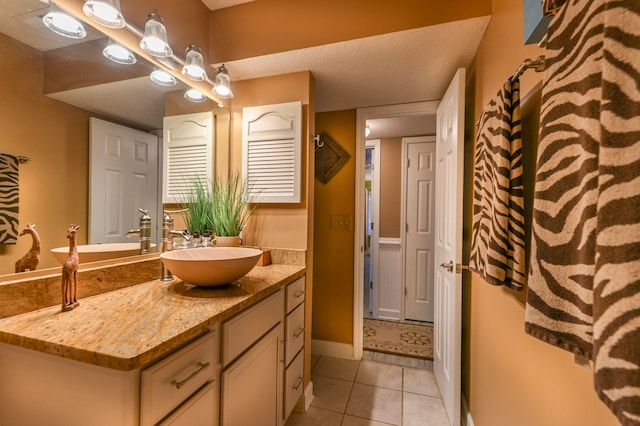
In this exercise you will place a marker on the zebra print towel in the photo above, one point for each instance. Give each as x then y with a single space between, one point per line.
584 283
497 238
8 199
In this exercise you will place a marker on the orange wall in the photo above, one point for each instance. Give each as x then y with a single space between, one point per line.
53 185
333 249
510 377
390 187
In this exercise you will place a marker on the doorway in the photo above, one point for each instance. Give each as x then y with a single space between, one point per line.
363 247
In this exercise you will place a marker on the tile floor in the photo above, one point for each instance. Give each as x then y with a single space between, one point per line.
372 393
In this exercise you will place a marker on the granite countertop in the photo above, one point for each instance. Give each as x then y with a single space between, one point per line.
134 326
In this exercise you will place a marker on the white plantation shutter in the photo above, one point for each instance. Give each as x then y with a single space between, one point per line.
271 151
188 153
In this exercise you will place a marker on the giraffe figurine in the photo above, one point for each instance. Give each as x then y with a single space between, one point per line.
32 257
69 272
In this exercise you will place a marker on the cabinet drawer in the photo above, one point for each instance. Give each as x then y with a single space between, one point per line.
247 327
168 383
293 384
200 410
295 293
295 333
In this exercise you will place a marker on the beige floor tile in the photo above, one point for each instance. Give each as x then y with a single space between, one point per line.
337 368
315 417
359 421
375 403
378 374
421 382
331 394
421 410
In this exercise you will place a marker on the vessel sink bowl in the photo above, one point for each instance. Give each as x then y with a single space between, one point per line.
96 252
211 266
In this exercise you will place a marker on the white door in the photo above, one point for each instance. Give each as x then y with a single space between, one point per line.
419 193
123 175
448 245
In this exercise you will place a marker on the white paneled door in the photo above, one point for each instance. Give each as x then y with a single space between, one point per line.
123 178
420 227
448 245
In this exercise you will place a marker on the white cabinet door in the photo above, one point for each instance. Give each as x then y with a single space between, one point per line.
271 152
252 386
188 153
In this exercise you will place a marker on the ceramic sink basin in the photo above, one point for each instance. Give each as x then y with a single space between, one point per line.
95 252
211 266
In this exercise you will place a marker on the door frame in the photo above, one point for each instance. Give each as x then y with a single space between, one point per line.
375 216
362 115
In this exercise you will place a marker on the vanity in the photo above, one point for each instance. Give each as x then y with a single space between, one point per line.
160 352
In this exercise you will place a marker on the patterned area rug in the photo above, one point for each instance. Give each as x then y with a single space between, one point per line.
398 338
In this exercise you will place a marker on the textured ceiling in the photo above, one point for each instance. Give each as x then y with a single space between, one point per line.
406 66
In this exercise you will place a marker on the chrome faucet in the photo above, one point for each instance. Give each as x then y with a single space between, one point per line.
167 239
144 232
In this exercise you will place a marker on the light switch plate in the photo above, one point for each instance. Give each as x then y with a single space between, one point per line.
340 223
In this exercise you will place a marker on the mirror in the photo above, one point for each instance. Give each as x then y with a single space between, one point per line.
49 88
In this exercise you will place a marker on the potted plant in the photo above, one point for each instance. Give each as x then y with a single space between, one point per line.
198 199
231 208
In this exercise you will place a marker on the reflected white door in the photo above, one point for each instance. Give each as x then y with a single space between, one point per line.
420 227
123 175
448 245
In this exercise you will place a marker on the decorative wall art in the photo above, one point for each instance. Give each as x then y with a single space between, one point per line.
330 158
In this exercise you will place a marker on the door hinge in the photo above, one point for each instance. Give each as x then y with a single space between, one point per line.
406 228
408 163
370 285
405 291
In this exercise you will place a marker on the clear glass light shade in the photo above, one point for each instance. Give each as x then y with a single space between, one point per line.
155 41
194 64
222 86
105 12
162 78
118 53
64 24
194 95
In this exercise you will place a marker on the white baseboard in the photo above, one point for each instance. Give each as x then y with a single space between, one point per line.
304 402
467 420
334 349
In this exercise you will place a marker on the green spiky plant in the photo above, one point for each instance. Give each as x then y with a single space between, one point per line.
231 207
198 199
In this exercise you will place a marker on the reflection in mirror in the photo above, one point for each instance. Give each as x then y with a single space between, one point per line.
50 87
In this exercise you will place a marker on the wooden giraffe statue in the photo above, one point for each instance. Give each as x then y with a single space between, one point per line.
69 272
32 257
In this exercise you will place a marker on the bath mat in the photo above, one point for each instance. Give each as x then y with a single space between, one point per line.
397 338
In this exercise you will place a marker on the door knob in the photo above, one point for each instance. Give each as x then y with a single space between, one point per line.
447 266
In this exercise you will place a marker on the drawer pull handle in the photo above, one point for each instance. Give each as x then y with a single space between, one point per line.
298 384
298 332
299 294
181 383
